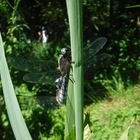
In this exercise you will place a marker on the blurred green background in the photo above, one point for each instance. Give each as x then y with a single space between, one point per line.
112 94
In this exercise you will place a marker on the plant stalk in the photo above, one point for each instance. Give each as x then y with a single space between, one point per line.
74 8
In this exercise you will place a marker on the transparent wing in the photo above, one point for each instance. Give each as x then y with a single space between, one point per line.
97 44
100 61
100 58
40 103
104 57
35 67
91 57
42 78
92 50
32 64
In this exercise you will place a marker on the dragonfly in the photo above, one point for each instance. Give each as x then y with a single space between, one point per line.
46 71
64 64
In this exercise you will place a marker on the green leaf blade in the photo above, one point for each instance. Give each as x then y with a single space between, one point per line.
14 113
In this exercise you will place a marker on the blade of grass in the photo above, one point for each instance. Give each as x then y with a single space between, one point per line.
14 113
124 135
74 8
133 6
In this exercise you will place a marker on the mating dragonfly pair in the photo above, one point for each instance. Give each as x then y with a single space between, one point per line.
90 57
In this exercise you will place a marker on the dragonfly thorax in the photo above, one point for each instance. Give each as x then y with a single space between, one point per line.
63 65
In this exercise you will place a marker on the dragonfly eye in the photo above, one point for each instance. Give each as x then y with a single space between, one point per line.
63 51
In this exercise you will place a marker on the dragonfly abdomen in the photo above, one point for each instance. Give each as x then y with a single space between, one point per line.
61 84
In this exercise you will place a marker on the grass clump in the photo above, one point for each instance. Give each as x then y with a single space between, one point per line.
111 117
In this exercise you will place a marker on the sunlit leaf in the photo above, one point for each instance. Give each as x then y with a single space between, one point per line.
124 135
87 133
14 113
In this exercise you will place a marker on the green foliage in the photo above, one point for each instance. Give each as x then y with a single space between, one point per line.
110 19
47 123
124 135
114 86
115 20
125 51
111 117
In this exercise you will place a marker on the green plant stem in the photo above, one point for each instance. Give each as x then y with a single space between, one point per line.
74 8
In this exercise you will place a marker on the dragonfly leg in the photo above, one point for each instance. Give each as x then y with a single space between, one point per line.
71 78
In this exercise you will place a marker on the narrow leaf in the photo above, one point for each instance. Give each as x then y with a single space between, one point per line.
133 6
14 113
74 8
124 135
87 133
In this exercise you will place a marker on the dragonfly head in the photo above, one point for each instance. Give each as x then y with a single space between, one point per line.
65 51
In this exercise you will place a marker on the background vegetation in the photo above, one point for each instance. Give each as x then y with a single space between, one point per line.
111 96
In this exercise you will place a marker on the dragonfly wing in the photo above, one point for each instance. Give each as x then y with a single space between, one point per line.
90 58
103 58
96 45
93 49
42 103
31 64
41 78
